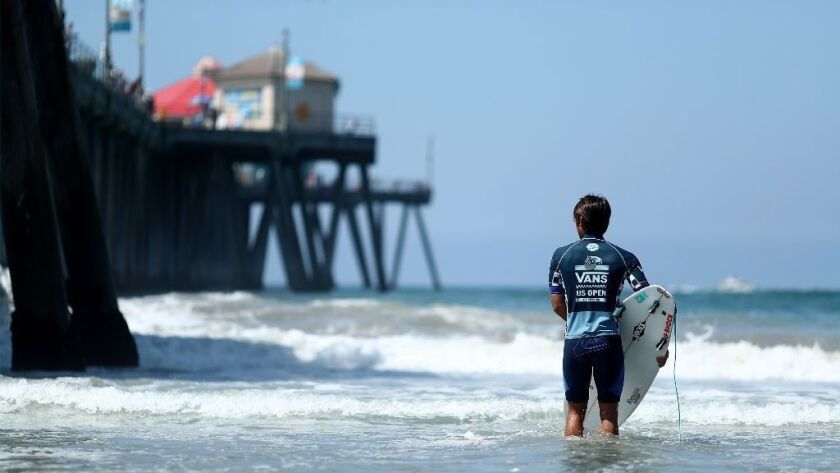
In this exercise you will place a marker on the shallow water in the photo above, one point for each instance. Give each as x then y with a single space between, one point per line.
417 380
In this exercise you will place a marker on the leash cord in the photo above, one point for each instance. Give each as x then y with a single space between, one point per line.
674 372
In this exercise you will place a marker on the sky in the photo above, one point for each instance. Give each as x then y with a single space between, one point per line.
712 127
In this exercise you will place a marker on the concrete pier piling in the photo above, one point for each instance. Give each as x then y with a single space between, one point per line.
42 335
52 229
104 335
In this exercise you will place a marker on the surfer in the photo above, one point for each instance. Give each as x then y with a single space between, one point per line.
585 280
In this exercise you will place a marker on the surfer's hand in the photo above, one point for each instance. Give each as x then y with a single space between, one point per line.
660 360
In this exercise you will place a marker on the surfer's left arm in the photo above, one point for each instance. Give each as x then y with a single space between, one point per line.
558 304
635 275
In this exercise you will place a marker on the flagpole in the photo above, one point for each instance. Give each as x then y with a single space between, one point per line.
284 110
106 68
141 41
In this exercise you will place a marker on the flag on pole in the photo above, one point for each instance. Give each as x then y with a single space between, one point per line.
119 17
295 73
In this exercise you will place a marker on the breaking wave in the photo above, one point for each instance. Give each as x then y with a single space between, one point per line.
241 355
182 333
702 407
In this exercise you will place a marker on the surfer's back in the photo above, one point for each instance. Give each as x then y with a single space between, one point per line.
591 273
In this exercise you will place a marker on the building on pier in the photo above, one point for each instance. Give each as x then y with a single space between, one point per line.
256 94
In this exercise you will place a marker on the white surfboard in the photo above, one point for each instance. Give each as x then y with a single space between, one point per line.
645 327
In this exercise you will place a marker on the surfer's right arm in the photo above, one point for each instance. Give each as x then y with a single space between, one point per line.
556 287
558 304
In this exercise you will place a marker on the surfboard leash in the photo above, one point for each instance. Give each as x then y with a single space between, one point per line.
674 373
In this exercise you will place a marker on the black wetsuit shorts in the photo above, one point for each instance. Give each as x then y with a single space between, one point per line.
602 357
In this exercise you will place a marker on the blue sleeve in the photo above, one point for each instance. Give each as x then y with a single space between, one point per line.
635 275
555 279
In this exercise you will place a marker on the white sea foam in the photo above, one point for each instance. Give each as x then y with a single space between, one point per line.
6 283
698 358
762 406
241 341
194 333
346 303
21 394
89 398
360 317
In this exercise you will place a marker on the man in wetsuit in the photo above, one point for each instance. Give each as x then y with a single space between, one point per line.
585 279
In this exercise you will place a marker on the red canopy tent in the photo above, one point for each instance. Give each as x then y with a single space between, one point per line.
185 97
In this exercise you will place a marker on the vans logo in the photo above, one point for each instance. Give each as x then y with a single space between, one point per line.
592 277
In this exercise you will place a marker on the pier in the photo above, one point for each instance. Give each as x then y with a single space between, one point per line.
98 200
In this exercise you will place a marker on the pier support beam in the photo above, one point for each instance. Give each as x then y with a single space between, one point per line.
257 250
427 249
287 235
231 219
42 335
338 207
358 246
49 98
398 250
316 280
375 233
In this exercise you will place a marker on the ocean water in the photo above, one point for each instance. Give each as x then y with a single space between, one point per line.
461 380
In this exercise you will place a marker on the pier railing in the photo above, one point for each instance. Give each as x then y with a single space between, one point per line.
357 125
84 56
338 124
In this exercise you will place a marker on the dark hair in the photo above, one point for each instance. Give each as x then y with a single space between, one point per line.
592 212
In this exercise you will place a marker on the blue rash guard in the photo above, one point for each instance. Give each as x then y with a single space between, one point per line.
591 273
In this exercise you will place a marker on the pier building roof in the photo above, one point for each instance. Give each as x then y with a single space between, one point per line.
270 64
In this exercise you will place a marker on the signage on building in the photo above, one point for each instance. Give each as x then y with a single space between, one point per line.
242 105
295 73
